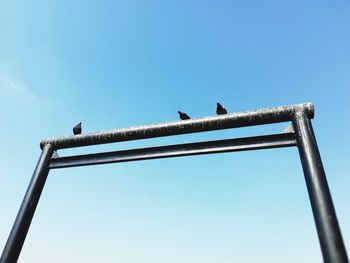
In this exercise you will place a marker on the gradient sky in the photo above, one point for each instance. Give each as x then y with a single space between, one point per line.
115 64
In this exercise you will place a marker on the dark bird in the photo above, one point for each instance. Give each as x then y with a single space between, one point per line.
220 109
77 129
183 116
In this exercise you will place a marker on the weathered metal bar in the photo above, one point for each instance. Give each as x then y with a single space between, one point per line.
219 146
24 217
331 241
233 120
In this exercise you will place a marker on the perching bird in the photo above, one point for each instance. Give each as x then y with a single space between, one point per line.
220 109
183 116
77 129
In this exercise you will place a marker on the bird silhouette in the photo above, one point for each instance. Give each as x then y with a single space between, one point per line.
220 109
183 116
77 129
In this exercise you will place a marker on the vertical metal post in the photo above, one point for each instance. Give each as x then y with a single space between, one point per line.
332 245
24 217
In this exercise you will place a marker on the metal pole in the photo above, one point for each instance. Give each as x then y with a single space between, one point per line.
24 217
211 123
177 150
332 245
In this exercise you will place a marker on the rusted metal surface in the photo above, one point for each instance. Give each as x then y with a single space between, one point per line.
232 120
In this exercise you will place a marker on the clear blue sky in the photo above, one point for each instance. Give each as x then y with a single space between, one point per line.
115 64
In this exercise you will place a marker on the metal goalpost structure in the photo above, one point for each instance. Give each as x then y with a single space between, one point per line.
301 135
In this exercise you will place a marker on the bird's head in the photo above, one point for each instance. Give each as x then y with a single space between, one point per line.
179 112
218 104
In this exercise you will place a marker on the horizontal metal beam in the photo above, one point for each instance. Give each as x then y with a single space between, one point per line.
232 120
220 146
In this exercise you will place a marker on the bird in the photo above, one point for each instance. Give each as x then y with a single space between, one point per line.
220 109
77 129
183 116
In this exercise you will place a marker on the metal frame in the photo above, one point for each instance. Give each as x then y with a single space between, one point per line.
302 136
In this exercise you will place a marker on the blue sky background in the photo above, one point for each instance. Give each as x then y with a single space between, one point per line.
115 64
